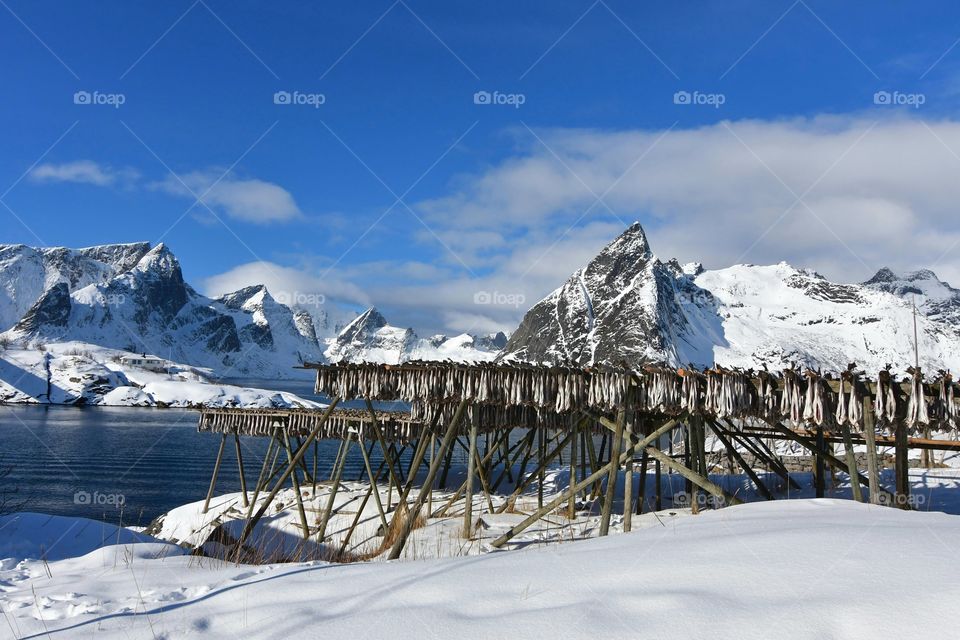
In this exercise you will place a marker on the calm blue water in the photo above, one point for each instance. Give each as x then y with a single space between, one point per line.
77 461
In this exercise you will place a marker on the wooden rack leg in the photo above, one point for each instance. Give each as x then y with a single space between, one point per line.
902 466
734 454
557 501
572 506
615 446
693 476
296 489
870 436
334 489
819 467
468 492
243 478
252 522
851 458
216 472
407 526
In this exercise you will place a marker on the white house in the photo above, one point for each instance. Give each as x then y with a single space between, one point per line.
150 363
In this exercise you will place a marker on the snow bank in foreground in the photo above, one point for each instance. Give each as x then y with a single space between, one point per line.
791 569
38 536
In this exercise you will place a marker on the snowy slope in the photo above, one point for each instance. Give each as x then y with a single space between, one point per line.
27 273
743 572
627 305
149 308
76 373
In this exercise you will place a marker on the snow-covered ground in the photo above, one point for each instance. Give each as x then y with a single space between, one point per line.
81 373
787 569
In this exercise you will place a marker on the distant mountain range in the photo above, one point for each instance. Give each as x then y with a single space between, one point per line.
133 297
628 306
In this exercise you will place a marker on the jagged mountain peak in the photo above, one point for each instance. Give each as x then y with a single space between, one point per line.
639 310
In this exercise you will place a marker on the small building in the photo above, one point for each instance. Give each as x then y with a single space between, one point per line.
150 363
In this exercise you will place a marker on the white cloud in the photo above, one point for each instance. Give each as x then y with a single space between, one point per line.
83 172
247 199
880 192
286 284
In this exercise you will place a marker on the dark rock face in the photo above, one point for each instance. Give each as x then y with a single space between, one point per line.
52 310
363 328
492 342
624 306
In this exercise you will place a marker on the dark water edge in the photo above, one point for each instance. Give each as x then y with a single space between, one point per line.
125 465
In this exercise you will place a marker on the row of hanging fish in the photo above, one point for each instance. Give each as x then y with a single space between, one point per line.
798 397
343 423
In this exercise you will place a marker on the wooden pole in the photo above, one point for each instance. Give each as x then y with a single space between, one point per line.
642 492
870 435
216 472
468 492
851 457
243 478
407 525
296 488
373 484
331 499
572 506
734 454
902 466
819 468
693 476
251 523
615 452
560 499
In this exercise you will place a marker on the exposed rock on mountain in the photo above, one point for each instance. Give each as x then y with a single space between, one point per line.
628 306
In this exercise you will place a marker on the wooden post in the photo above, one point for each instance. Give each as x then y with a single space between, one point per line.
615 452
818 464
373 484
693 476
572 506
243 478
735 455
541 471
557 501
337 475
296 487
216 472
628 486
642 492
851 462
658 483
407 525
902 465
468 491
870 435
524 483
252 522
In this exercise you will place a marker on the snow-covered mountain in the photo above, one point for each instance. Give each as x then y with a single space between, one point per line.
26 274
627 305
369 338
145 306
133 297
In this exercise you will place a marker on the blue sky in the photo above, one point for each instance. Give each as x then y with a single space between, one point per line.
400 191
